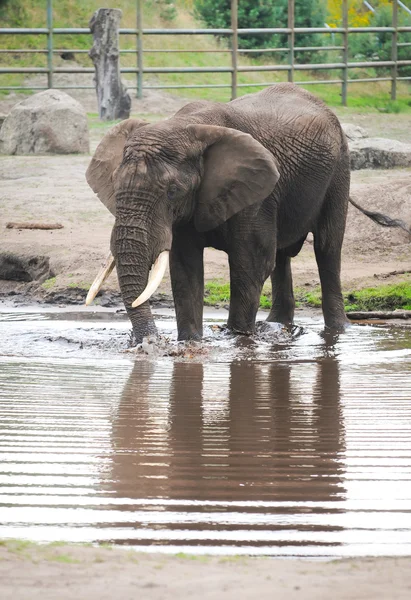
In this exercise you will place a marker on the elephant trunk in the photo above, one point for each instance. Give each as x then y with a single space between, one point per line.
133 261
137 246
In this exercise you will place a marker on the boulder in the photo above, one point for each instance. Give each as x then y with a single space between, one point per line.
50 122
354 132
24 268
378 153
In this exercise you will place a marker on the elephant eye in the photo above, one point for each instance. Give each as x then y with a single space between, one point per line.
172 192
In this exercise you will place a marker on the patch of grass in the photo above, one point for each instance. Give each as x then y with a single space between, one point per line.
49 283
393 107
17 546
62 558
216 292
56 544
197 557
385 297
265 301
308 298
233 559
82 285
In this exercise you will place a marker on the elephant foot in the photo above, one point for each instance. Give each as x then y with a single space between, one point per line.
185 336
137 337
337 325
241 330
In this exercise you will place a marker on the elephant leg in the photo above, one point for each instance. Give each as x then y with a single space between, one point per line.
328 239
246 282
187 281
283 304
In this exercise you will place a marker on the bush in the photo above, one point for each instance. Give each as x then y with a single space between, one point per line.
267 14
378 46
14 11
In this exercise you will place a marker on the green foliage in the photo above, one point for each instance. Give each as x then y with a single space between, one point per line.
14 11
267 14
168 11
308 13
378 46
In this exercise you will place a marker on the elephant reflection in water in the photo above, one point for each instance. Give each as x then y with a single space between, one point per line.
281 437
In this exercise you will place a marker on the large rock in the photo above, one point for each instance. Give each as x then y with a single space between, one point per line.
354 132
50 122
378 153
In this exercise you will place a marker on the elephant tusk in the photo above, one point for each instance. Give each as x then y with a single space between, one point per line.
100 279
154 280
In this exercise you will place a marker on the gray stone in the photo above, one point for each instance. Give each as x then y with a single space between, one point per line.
2 119
379 153
24 268
354 132
50 122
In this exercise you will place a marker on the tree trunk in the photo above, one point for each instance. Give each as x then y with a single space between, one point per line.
113 100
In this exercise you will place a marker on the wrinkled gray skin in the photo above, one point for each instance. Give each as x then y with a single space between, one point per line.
196 180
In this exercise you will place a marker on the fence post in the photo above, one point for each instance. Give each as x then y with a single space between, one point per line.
344 88
50 44
394 50
234 47
291 39
139 50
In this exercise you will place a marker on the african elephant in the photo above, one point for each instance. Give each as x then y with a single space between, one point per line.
252 178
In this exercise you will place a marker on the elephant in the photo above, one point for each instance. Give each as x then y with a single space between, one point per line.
251 177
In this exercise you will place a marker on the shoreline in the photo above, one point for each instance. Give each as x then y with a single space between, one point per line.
66 571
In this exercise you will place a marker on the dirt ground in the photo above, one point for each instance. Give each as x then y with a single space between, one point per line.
67 572
53 188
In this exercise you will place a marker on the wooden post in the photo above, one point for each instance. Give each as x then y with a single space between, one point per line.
234 47
139 50
394 50
344 88
50 44
113 100
291 39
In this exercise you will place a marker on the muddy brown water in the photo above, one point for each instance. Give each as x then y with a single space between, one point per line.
282 444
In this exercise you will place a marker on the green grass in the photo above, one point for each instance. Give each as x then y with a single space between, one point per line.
197 557
49 283
63 558
216 292
81 285
384 297
17 546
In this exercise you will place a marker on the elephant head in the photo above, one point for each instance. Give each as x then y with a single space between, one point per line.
152 177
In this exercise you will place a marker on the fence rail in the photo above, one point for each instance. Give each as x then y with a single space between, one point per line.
344 65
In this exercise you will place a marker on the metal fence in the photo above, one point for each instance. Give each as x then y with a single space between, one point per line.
292 67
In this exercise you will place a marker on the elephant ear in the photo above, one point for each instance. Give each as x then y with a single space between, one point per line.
238 172
106 159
